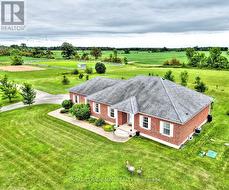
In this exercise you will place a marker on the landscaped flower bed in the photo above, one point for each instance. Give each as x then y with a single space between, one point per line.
82 112
101 123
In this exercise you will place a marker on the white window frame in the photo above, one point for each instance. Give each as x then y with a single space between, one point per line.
109 112
141 119
94 107
162 128
77 99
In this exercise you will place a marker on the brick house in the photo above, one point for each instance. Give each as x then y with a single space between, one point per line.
153 107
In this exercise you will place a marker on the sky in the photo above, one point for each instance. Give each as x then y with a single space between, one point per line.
123 23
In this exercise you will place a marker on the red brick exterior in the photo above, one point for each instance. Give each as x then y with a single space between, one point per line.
81 98
103 113
180 132
189 127
122 118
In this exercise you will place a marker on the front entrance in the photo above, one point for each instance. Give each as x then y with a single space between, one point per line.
129 119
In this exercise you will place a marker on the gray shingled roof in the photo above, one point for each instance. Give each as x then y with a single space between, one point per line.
153 96
129 105
94 85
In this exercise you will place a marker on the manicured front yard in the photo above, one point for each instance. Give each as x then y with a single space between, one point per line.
41 152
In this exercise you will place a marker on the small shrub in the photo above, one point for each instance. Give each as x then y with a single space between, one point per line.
108 128
67 104
100 68
64 111
100 122
81 76
91 120
169 75
199 85
125 60
89 70
65 80
172 62
81 111
75 72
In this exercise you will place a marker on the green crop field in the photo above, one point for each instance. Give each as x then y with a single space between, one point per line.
40 152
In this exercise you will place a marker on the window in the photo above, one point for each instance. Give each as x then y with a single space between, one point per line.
145 123
96 108
77 99
112 113
166 129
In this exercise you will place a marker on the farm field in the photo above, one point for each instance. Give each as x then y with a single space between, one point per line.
138 57
41 152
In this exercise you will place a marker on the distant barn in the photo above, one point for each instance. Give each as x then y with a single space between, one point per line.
82 66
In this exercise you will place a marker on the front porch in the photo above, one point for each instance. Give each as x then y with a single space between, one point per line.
125 131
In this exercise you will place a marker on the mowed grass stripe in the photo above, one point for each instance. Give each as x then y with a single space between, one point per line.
28 165
35 163
27 174
63 140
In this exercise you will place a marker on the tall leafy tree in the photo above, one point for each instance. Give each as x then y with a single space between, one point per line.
8 88
216 59
16 60
68 51
28 94
96 52
195 58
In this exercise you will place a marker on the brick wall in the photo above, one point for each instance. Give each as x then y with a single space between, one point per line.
103 112
122 118
180 132
81 98
189 127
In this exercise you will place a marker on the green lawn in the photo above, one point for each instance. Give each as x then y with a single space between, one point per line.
41 152
4 102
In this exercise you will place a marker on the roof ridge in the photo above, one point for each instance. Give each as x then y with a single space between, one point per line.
133 98
174 106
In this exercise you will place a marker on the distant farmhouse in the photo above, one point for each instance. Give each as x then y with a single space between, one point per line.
152 107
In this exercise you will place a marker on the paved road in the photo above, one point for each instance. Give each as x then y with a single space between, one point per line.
41 98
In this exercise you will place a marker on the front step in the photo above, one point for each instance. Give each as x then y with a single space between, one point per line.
121 133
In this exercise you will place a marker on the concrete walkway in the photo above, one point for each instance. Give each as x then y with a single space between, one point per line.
85 125
41 98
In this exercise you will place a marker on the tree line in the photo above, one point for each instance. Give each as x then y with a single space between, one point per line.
215 59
